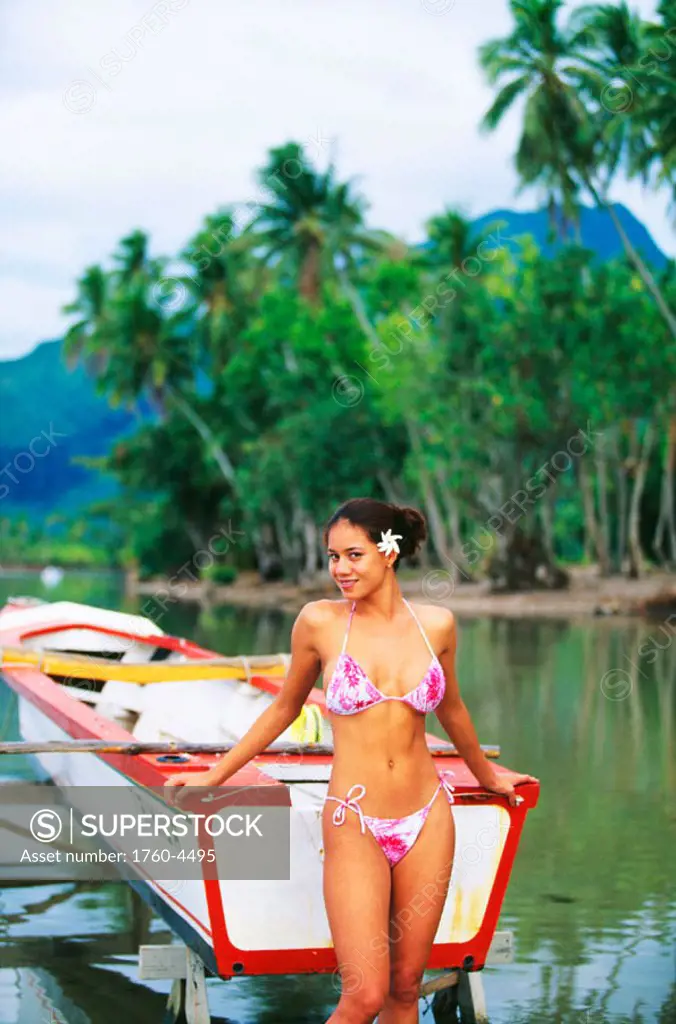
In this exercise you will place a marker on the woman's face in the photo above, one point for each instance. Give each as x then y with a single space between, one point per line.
355 562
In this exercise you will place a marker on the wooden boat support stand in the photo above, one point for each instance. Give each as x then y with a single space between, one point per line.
453 992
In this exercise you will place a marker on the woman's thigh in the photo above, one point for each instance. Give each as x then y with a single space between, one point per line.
420 883
357 894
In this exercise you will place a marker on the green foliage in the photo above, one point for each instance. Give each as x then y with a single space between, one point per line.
220 573
301 357
86 543
470 402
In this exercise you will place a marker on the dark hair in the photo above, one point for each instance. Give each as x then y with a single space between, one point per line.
376 517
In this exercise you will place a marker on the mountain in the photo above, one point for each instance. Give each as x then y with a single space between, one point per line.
597 232
50 414
38 393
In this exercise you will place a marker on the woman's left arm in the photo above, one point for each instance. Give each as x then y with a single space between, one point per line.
455 719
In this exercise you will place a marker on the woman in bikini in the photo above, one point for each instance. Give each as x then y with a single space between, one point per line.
389 841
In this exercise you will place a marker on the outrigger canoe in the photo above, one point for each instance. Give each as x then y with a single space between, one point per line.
89 674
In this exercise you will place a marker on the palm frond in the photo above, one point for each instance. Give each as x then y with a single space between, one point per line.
503 102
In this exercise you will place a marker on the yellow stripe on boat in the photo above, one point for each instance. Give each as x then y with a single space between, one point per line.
72 667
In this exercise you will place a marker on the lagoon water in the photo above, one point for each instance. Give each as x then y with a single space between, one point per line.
592 898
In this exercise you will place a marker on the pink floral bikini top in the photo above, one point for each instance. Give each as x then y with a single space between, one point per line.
350 690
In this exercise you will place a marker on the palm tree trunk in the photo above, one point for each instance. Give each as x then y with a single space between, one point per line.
259 548
306 530
285 545
310 538
215 450
622 503
546 518
635 554
389 487
358 307
667 522
604 515
310 279
194 535
670 489
287 548
452 512
454 526
434 516
588 538
641 267
592 528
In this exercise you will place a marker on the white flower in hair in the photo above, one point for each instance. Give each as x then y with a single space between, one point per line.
389 542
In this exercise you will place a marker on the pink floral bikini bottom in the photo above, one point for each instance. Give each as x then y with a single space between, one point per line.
395 836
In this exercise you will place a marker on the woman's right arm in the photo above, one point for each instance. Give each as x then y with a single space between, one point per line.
303 672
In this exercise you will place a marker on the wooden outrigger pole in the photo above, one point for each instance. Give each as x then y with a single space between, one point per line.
180 747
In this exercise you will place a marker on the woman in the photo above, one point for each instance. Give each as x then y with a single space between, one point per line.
389 840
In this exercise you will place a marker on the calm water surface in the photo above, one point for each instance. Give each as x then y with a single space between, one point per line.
591 901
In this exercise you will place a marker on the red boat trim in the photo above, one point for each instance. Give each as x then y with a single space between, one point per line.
224 951
170 643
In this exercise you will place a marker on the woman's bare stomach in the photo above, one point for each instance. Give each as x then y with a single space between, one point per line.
390 759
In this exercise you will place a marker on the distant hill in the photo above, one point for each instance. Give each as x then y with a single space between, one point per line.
38 392
597 232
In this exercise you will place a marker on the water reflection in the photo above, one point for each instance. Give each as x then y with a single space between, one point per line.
587 707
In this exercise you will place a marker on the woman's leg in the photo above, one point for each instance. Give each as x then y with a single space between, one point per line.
357 894
419 887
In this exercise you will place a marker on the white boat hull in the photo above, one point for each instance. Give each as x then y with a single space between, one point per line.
257 926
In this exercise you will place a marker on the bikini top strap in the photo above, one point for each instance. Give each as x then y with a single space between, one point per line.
429 645
349 622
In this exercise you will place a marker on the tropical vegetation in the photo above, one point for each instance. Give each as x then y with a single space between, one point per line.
294 356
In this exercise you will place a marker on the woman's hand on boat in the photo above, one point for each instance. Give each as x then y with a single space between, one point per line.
504 783
186 779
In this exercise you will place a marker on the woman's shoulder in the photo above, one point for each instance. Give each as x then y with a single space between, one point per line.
434 616
324 611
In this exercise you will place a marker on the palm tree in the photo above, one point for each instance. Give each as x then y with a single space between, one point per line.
90 337
540 59
293 225
351 243
134 348
660 155
313 226
452 240
148 355
225 284
636 130
639 60
562 77
615 40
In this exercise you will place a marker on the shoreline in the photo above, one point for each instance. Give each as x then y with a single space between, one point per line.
588 596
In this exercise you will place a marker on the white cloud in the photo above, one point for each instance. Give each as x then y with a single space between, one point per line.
28 312
118 122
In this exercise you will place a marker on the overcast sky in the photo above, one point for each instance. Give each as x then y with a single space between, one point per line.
125 114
